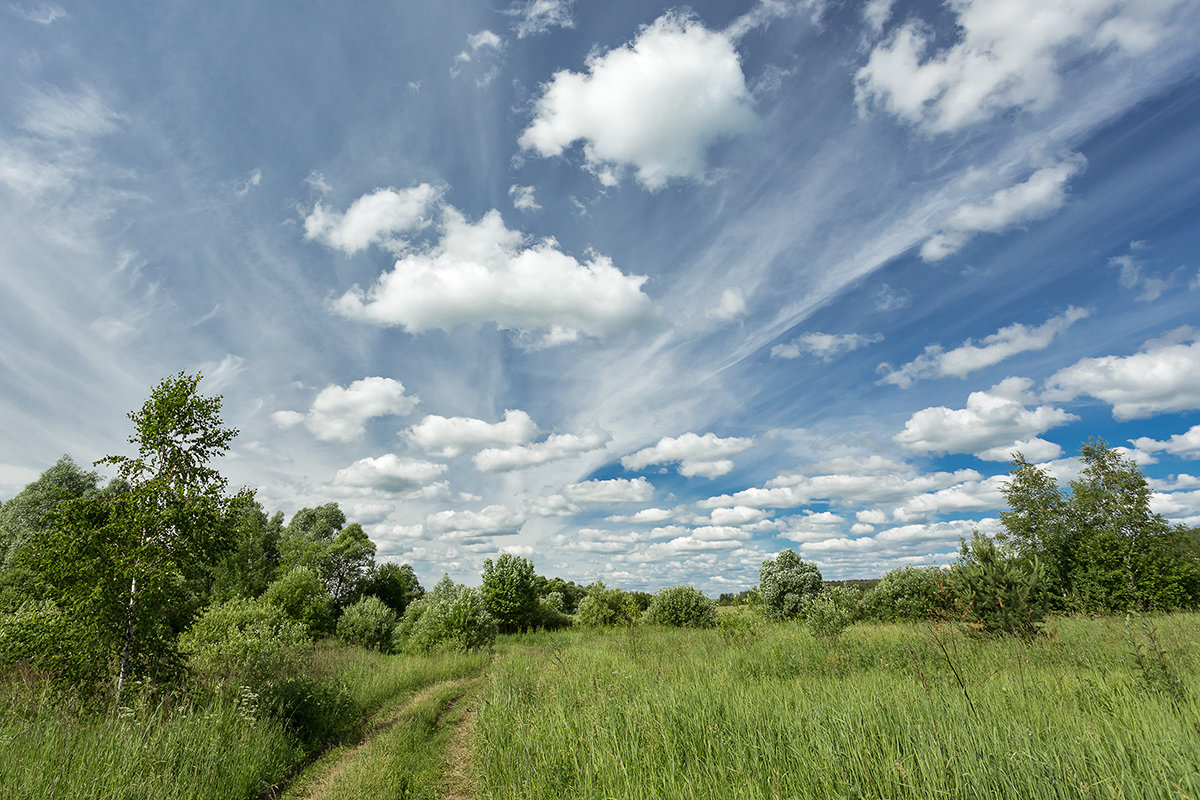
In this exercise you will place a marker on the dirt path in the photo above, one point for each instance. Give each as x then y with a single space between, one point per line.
319 784
457 781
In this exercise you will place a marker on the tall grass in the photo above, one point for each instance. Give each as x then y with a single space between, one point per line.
224 746
886 711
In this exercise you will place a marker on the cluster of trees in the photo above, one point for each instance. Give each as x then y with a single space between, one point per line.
99 582
1094 547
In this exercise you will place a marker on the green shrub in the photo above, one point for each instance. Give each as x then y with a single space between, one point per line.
602 607
368 623
829 613
908 593
303 597
549 615
742 624
1000 593
450 617
682 607
784 582
245 642
41 637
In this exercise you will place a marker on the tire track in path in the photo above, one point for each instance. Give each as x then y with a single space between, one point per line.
328 778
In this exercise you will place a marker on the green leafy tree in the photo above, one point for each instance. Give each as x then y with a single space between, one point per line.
908 593
253 561
510 591
244 642
130 564
1102 547
340 554
395 584
33 508
572 593
784 582
682 607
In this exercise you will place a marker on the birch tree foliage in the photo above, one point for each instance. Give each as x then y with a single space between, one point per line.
130 566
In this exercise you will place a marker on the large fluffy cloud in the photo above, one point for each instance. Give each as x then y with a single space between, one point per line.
706 455
555 447
452 436
969 356
1185 445
483 272
1163 377
655 104
1008 56
389 473
493 520
372 218
1038 197
991 419
338 414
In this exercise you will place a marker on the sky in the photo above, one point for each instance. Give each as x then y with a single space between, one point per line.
646 293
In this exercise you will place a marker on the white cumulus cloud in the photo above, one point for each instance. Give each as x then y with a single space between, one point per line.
372 218
1184 445
616 490
555 447
338 414
523 198
707 456
389 473
1163 377
485 273
996 418
655 104
1008 55
448 437
970 356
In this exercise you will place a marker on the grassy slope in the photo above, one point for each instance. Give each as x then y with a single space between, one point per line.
882 713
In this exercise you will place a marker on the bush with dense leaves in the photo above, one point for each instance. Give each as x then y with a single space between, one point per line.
41 637
304 597
682 607
829 613
368 623
784 582
603 607
908 593
450 617
244 641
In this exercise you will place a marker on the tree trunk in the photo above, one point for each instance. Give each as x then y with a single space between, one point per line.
127 646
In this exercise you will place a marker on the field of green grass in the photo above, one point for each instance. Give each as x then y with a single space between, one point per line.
1096 709
164 748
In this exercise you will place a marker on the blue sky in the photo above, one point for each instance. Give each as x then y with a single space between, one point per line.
644 292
